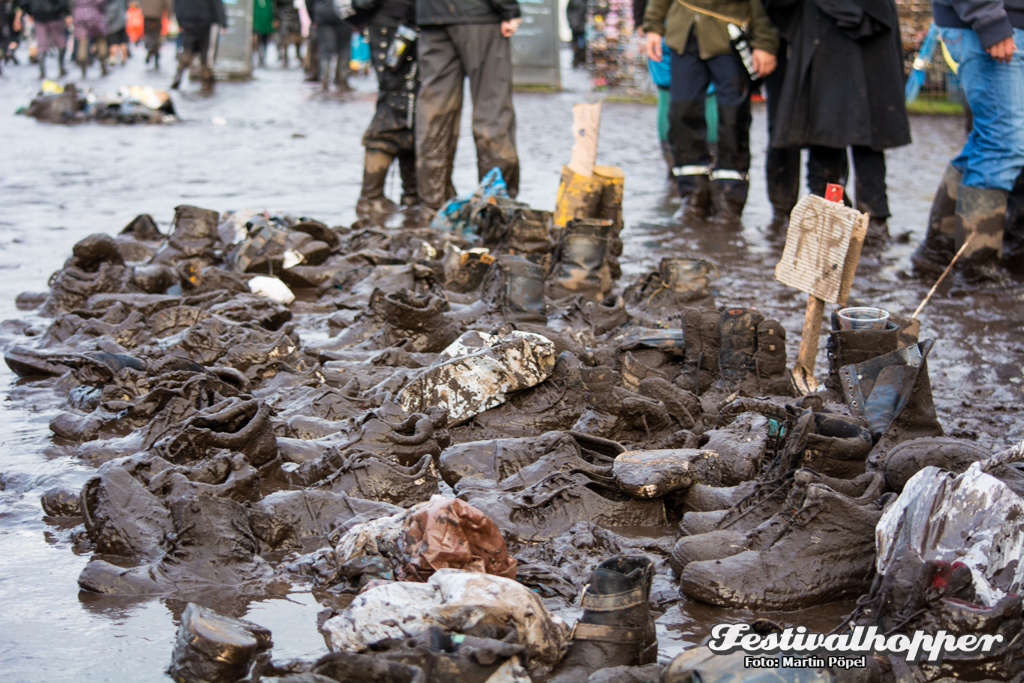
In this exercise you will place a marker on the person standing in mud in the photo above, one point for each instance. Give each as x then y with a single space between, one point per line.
460 38
698 34
152 17
196 19
51 17
986 39
334 38
90 20
391 33
843 88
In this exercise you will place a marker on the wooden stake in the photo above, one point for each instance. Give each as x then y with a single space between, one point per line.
803 371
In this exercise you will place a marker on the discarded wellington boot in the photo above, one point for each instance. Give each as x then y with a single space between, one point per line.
549 507
213 647
580 261
981 216
729 191
678 283
736 359
910 457
464 271
796 570
653 474
616 628
498 459
373 477
516 286
599 317
894 394
416 322
703 338
939 245
850 347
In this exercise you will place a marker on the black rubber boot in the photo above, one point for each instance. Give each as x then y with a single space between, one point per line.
206 73
407 171
695 190
617 628
937 250
729 191
372 203
849 347
980 216
184 60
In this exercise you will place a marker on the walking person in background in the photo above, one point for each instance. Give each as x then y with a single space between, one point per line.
334 39
289 30
90 20
460 38
196 19
153 12
986 39
51 18
117 35
703 53
262 28
843 88
576 14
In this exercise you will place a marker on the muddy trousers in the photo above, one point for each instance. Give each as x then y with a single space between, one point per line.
334 39
781 165
688 124
447 55
195 40
82 51
829 165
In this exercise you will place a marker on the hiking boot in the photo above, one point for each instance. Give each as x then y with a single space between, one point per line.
579 266
416 322
240 426
516 286
729 191
372 477
497 459
736 359
367 324
850 347
464 271
678 283
981 216
837 447
910 457
653 474
894 394
548 508
797 569
702 336
770 361
616 628
701 497
407 441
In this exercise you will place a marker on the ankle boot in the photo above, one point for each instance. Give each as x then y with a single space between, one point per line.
736 359
912 456
838 447
894 394
372 203
849 347
703 339
729 191
579 266
616 628
937 250
418 322
516 286
981 216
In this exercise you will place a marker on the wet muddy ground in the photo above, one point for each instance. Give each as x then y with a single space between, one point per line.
278 143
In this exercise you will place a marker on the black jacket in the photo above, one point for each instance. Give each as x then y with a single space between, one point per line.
576 14
843 84
200 12
47 10
444 12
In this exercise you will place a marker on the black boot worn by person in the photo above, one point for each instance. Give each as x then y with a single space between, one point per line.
936 251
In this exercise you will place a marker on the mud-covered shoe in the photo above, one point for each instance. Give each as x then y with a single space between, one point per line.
240 426
653 474
465 270
597 317
213 647
826 552
549 507
736 359
773 377
701 497
406 442
498 459
616 628
849 347
910 457
580 266
418 323
678 283
564 460
516 286
837 446
369 476
702 336
939 245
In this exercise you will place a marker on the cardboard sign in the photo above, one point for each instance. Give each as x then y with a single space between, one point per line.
822 249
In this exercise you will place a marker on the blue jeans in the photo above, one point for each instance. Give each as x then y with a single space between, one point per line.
994 153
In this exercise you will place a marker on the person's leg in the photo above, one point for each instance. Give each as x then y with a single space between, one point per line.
781 165
872 199
826 165
327 38
344 57
82 53
203 43
730 183
664 102
486 56
439 108
687 128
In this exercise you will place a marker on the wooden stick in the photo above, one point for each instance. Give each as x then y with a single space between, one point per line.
942 277
803 372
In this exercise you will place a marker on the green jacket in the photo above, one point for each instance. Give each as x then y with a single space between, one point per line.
670 19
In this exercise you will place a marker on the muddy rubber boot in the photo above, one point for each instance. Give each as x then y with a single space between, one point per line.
666 153
849 347
694 188
616 628
981 216
703 338
206 73
678 283
372 204
938 248
729 191
42 68
407 172
579 266
736 359
516 286
796 570
184 60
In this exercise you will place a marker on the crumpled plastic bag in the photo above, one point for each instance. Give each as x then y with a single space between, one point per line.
457 601
457 214
477 371
972 518
448 532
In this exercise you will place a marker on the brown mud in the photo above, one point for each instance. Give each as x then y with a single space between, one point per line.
285 146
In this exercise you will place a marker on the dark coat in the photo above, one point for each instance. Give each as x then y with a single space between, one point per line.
576 14
447 12
200 12
844 79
